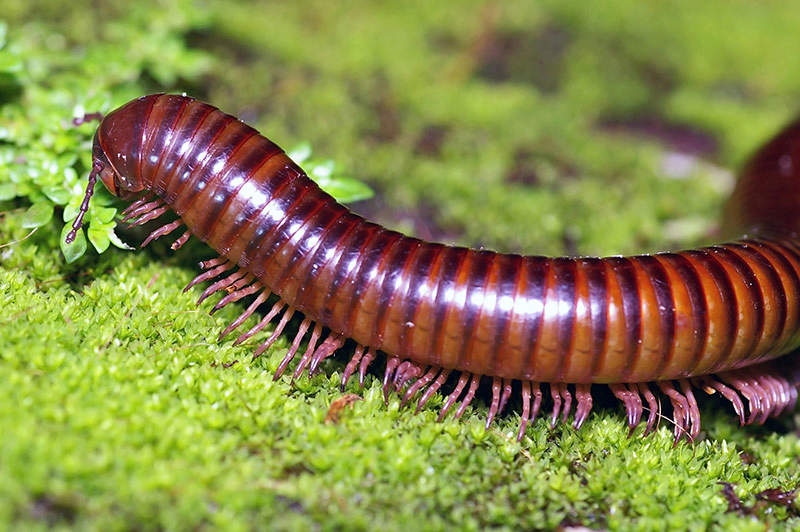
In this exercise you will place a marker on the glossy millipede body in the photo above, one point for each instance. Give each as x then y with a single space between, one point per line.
714 318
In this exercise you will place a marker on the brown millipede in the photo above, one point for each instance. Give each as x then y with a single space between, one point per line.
714 318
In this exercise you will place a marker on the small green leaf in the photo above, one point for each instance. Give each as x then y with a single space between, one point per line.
74 250
100 236
104 214
322 169
345 189
7 191
57 194
37 215
300 153
70 212
117 242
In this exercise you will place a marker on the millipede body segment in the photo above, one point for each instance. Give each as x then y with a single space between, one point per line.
716 318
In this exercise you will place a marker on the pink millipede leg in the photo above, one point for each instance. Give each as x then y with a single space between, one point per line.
151 215
711 385
680 409
262 297
391 365
495 406
223 283
181 240
161 231
652 404
331 344
638 408
584 396
693 410
766 401
312 346
237 294
287 315
622 393
210 274
362 367
564 392
556 404
732 378
138 203
212 263
276 308
778 394
526 409
537 399
784 393
505 396
473 386
420 383
301 332
451 399
142 208
352 364
432 389
407 371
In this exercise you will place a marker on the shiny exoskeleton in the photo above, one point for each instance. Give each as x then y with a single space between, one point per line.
678 320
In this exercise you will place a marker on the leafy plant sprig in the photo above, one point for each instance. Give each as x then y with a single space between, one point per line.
45 159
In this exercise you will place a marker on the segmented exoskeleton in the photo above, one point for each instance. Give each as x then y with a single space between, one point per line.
713 318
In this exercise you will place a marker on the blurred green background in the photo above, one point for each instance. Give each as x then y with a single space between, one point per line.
548 127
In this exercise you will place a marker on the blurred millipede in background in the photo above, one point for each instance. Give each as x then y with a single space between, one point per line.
717 318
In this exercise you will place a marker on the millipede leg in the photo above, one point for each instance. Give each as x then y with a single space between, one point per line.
711 385
506 395
451 399
140 207
238 293
680 409
150 215
653 405
404 373
526 409
473 386
495 406
276 308
312 346
137 204
327 348
391 365
209 274
537 399
181 240
362 367
693 410
287 315
352 364
564 392
420 383
262 297
222 284
301 332
161 231
556 404
583 394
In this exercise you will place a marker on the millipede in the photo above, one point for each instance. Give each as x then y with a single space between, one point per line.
723 319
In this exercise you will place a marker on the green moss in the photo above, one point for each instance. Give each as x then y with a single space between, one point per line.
121 409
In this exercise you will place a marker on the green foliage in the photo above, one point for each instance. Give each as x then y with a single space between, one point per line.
120 408
44 84
43 156
344 189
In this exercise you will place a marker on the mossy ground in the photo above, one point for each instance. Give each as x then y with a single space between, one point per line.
581 127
